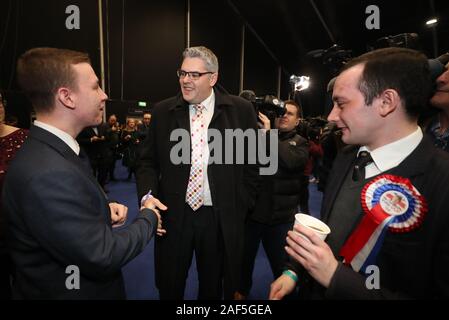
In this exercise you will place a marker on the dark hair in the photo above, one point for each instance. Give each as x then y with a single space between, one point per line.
404 70
297 106
42 71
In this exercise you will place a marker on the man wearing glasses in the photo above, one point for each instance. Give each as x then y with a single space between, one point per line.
203 205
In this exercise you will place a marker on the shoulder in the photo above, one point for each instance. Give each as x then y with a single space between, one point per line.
241 103
300 140
164 105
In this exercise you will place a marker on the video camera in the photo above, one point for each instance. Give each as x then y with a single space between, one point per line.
311 128
411 41
269 105
334 57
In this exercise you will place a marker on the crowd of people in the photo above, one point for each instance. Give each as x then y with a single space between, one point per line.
384 180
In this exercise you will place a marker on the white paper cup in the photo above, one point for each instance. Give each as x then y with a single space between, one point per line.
314 224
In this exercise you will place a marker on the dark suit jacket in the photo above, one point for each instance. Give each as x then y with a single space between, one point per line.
233 187
58 216
412 264
99 152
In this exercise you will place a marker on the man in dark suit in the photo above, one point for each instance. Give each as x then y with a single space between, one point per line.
143 127
96 142
60 221
386 199
207 220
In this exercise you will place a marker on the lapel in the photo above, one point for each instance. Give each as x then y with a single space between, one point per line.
340 169
418 161
221 101
412 166
64 150
181 113
181 108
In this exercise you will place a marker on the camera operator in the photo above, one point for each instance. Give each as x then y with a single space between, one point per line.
439 125
311 130
277 200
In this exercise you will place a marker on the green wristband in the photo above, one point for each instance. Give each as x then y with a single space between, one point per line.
290 274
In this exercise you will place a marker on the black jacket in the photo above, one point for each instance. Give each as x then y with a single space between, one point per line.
278 197
411 264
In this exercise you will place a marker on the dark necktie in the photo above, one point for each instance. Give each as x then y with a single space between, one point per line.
362 160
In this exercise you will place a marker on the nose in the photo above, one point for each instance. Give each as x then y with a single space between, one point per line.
444 78
186 79
334 116
104 95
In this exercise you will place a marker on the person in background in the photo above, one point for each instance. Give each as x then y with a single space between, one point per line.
144 126
277 199
130 141
95 141
113 133
439 125
11 139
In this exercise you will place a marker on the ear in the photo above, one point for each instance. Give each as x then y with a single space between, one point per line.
65 97
213 79
389 101
297 122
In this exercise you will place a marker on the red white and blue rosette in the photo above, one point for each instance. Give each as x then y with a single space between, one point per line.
390 203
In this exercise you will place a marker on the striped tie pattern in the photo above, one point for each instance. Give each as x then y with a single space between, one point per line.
194 196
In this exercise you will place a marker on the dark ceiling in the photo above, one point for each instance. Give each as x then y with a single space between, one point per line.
292 28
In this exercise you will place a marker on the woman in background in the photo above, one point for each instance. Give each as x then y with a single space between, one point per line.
130 144
11 139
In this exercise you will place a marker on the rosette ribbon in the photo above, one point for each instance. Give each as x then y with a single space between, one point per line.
390 203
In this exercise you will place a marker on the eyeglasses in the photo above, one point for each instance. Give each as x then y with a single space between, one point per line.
194 75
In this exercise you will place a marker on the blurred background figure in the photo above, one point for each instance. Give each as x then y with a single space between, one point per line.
130 143
11 139
95 141
143 127
439 125
277 199
113 133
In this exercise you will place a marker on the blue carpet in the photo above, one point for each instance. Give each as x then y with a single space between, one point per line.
139 273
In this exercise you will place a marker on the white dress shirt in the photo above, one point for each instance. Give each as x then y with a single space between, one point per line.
208 112
392 154
64 136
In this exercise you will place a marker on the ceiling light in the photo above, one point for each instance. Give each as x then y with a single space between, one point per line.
432 22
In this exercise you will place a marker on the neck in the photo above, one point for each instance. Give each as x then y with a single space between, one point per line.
6 130
444 120
393 134
60 122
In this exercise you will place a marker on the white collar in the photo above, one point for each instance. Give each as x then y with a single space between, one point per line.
392 154
209 102
64 136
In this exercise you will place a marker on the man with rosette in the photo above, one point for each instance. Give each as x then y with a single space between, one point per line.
387 197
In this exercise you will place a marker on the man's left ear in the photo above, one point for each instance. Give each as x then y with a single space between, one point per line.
64 95
390 100
213 79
